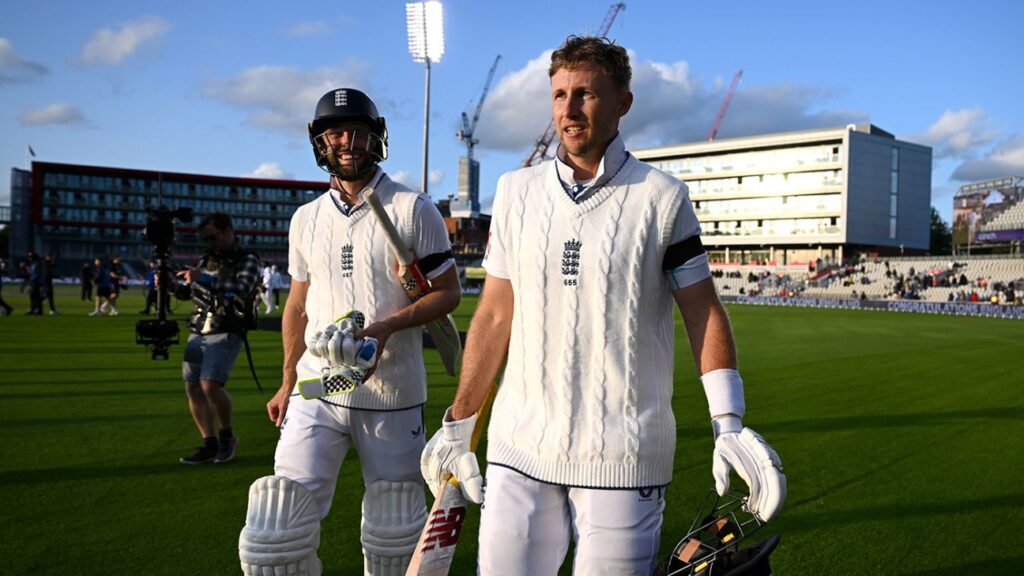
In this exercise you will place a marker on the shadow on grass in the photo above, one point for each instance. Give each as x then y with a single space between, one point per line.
92 472
174 368
65 394
1011 565
896 420
900 512
77 421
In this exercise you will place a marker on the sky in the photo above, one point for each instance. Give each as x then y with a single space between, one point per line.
227 87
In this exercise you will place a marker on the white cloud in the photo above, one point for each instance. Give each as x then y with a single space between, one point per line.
671 106
957 133
435 177
59 113
302 29
1005 159
282 97
110 46
270 171
403 177
517 109
14 68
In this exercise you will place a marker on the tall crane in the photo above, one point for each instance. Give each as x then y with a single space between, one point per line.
725 105
469 126
540 147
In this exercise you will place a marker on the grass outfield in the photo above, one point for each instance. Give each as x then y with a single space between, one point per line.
902 436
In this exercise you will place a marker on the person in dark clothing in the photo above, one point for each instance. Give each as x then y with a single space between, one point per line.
150 289
7 308
87 277
221 287
35 284
49 272
104 285
116 283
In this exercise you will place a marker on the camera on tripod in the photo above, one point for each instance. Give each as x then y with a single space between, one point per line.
158 335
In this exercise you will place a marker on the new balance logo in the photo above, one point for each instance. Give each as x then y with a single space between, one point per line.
346 261
341 97
444 528
571 262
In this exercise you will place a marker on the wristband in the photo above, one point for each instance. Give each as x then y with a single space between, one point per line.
724 391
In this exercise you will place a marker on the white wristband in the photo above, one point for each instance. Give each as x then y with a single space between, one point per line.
724 391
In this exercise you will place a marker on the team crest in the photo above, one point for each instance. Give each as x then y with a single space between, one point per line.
346 261
571 262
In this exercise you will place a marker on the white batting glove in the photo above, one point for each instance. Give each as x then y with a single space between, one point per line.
448 451
745 451
345 350
317 345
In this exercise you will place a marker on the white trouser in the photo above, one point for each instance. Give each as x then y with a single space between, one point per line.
317 435
525 527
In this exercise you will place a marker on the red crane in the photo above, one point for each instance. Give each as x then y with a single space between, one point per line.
725 105
540 147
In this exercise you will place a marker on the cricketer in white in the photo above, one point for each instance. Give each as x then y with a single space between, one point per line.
587 254
340 260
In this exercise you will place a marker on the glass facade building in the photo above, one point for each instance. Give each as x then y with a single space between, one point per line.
798 196
80 212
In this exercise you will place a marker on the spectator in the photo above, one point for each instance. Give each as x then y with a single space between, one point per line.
36 275
49 272
87 276
7 308
104 285
150 289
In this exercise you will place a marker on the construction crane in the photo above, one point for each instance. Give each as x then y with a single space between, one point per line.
540 147
469 126
725 105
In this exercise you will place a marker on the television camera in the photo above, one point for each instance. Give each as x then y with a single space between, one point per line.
158 335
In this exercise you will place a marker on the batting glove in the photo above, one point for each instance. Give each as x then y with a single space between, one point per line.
745 451
448 452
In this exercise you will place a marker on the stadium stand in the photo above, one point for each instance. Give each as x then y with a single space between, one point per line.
933 279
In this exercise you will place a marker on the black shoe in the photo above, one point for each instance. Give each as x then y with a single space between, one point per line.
202 455
226 450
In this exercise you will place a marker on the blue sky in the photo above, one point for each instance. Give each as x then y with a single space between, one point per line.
226 87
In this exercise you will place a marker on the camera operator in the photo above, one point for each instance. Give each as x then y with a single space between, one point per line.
221 287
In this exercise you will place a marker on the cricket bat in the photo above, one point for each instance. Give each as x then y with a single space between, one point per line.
436 548
442 331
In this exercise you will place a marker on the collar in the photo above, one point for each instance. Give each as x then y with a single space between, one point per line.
346 208
614 158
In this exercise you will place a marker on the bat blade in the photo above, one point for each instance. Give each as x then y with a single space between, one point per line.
436 547
443 331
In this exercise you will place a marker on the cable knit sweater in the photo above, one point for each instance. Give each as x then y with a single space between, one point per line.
350 265
585 399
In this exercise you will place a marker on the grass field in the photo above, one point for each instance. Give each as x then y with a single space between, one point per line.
902 436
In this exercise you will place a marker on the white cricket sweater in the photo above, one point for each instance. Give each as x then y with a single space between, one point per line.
350 265
585 399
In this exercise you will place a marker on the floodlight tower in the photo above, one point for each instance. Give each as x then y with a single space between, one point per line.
425 24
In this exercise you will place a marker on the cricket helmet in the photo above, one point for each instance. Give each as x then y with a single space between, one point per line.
713 545
347 105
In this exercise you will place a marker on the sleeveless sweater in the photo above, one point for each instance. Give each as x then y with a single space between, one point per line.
351 265
585 399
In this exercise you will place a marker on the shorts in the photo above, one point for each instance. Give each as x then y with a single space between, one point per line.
103 292
210 357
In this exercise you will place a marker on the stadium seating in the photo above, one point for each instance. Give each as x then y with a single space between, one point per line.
934 279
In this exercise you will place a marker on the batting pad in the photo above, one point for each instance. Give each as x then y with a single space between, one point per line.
282 530
393 517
